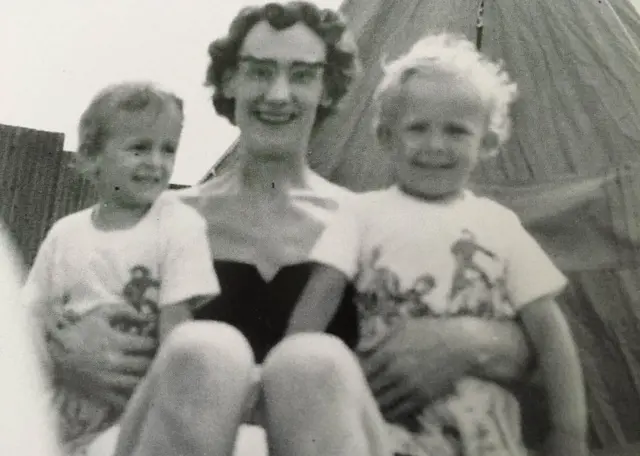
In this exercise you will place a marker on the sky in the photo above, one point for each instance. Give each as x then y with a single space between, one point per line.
55 55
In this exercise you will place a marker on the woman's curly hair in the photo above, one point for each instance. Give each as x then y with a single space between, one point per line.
342 60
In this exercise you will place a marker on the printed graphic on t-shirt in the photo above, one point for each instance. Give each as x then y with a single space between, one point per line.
142 292
476 287
465 276
382 303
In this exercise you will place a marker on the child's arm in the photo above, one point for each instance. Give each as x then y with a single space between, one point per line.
175 314
319 300
172 316
189 279
559 366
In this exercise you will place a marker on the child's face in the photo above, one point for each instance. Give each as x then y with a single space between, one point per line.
137 159
438 134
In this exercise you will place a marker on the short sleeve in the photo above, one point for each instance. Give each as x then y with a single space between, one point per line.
339 244
39 295
531 274
39 291
187 270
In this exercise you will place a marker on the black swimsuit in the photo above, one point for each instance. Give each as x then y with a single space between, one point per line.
260 309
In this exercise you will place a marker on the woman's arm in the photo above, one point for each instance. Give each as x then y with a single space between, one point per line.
422 361
498 350
91 356
175 314
319 300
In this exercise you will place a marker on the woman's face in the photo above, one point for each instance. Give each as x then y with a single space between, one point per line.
278 87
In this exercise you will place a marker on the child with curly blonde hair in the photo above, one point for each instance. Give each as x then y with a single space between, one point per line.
429 247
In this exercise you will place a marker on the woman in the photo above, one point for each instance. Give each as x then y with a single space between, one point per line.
280 71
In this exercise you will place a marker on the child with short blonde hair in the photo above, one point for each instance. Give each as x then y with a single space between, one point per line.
429 247
137 247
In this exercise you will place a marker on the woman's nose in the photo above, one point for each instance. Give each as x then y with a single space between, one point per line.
280 89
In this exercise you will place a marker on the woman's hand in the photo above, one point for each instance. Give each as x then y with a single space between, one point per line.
422 361
91 356
416 365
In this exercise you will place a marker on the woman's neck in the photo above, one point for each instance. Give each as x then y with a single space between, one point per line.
273 175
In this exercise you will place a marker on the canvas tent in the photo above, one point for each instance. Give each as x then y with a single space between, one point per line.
571 170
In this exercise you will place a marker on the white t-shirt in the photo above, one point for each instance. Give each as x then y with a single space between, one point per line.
411 258
470 256
163 258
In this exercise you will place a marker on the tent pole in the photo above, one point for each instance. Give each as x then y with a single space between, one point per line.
480 24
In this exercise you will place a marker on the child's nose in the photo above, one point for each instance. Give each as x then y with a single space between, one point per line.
434 142
156 158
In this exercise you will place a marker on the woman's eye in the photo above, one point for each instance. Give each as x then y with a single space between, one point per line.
260 72
303 75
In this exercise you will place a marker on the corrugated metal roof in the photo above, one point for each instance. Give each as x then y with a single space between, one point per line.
29 167
36 185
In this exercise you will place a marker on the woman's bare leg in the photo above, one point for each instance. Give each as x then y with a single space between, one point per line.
317 401
194 397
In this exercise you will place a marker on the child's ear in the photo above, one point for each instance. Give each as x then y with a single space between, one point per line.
88 167
490 144
384 135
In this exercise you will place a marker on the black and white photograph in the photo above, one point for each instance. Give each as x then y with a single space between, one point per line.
320 228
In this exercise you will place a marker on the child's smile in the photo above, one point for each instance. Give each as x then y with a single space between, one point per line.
438 135
139 156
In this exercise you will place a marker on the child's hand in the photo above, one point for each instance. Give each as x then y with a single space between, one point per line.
565 444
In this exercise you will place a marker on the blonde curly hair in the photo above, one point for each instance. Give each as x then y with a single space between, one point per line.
455 54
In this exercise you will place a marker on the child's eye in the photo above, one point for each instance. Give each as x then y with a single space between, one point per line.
170 149
457 130
139 147
419 127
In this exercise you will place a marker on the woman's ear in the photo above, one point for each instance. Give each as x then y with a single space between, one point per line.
229 84
326 100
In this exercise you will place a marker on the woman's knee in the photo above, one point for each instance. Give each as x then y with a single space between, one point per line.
206 347
319 360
